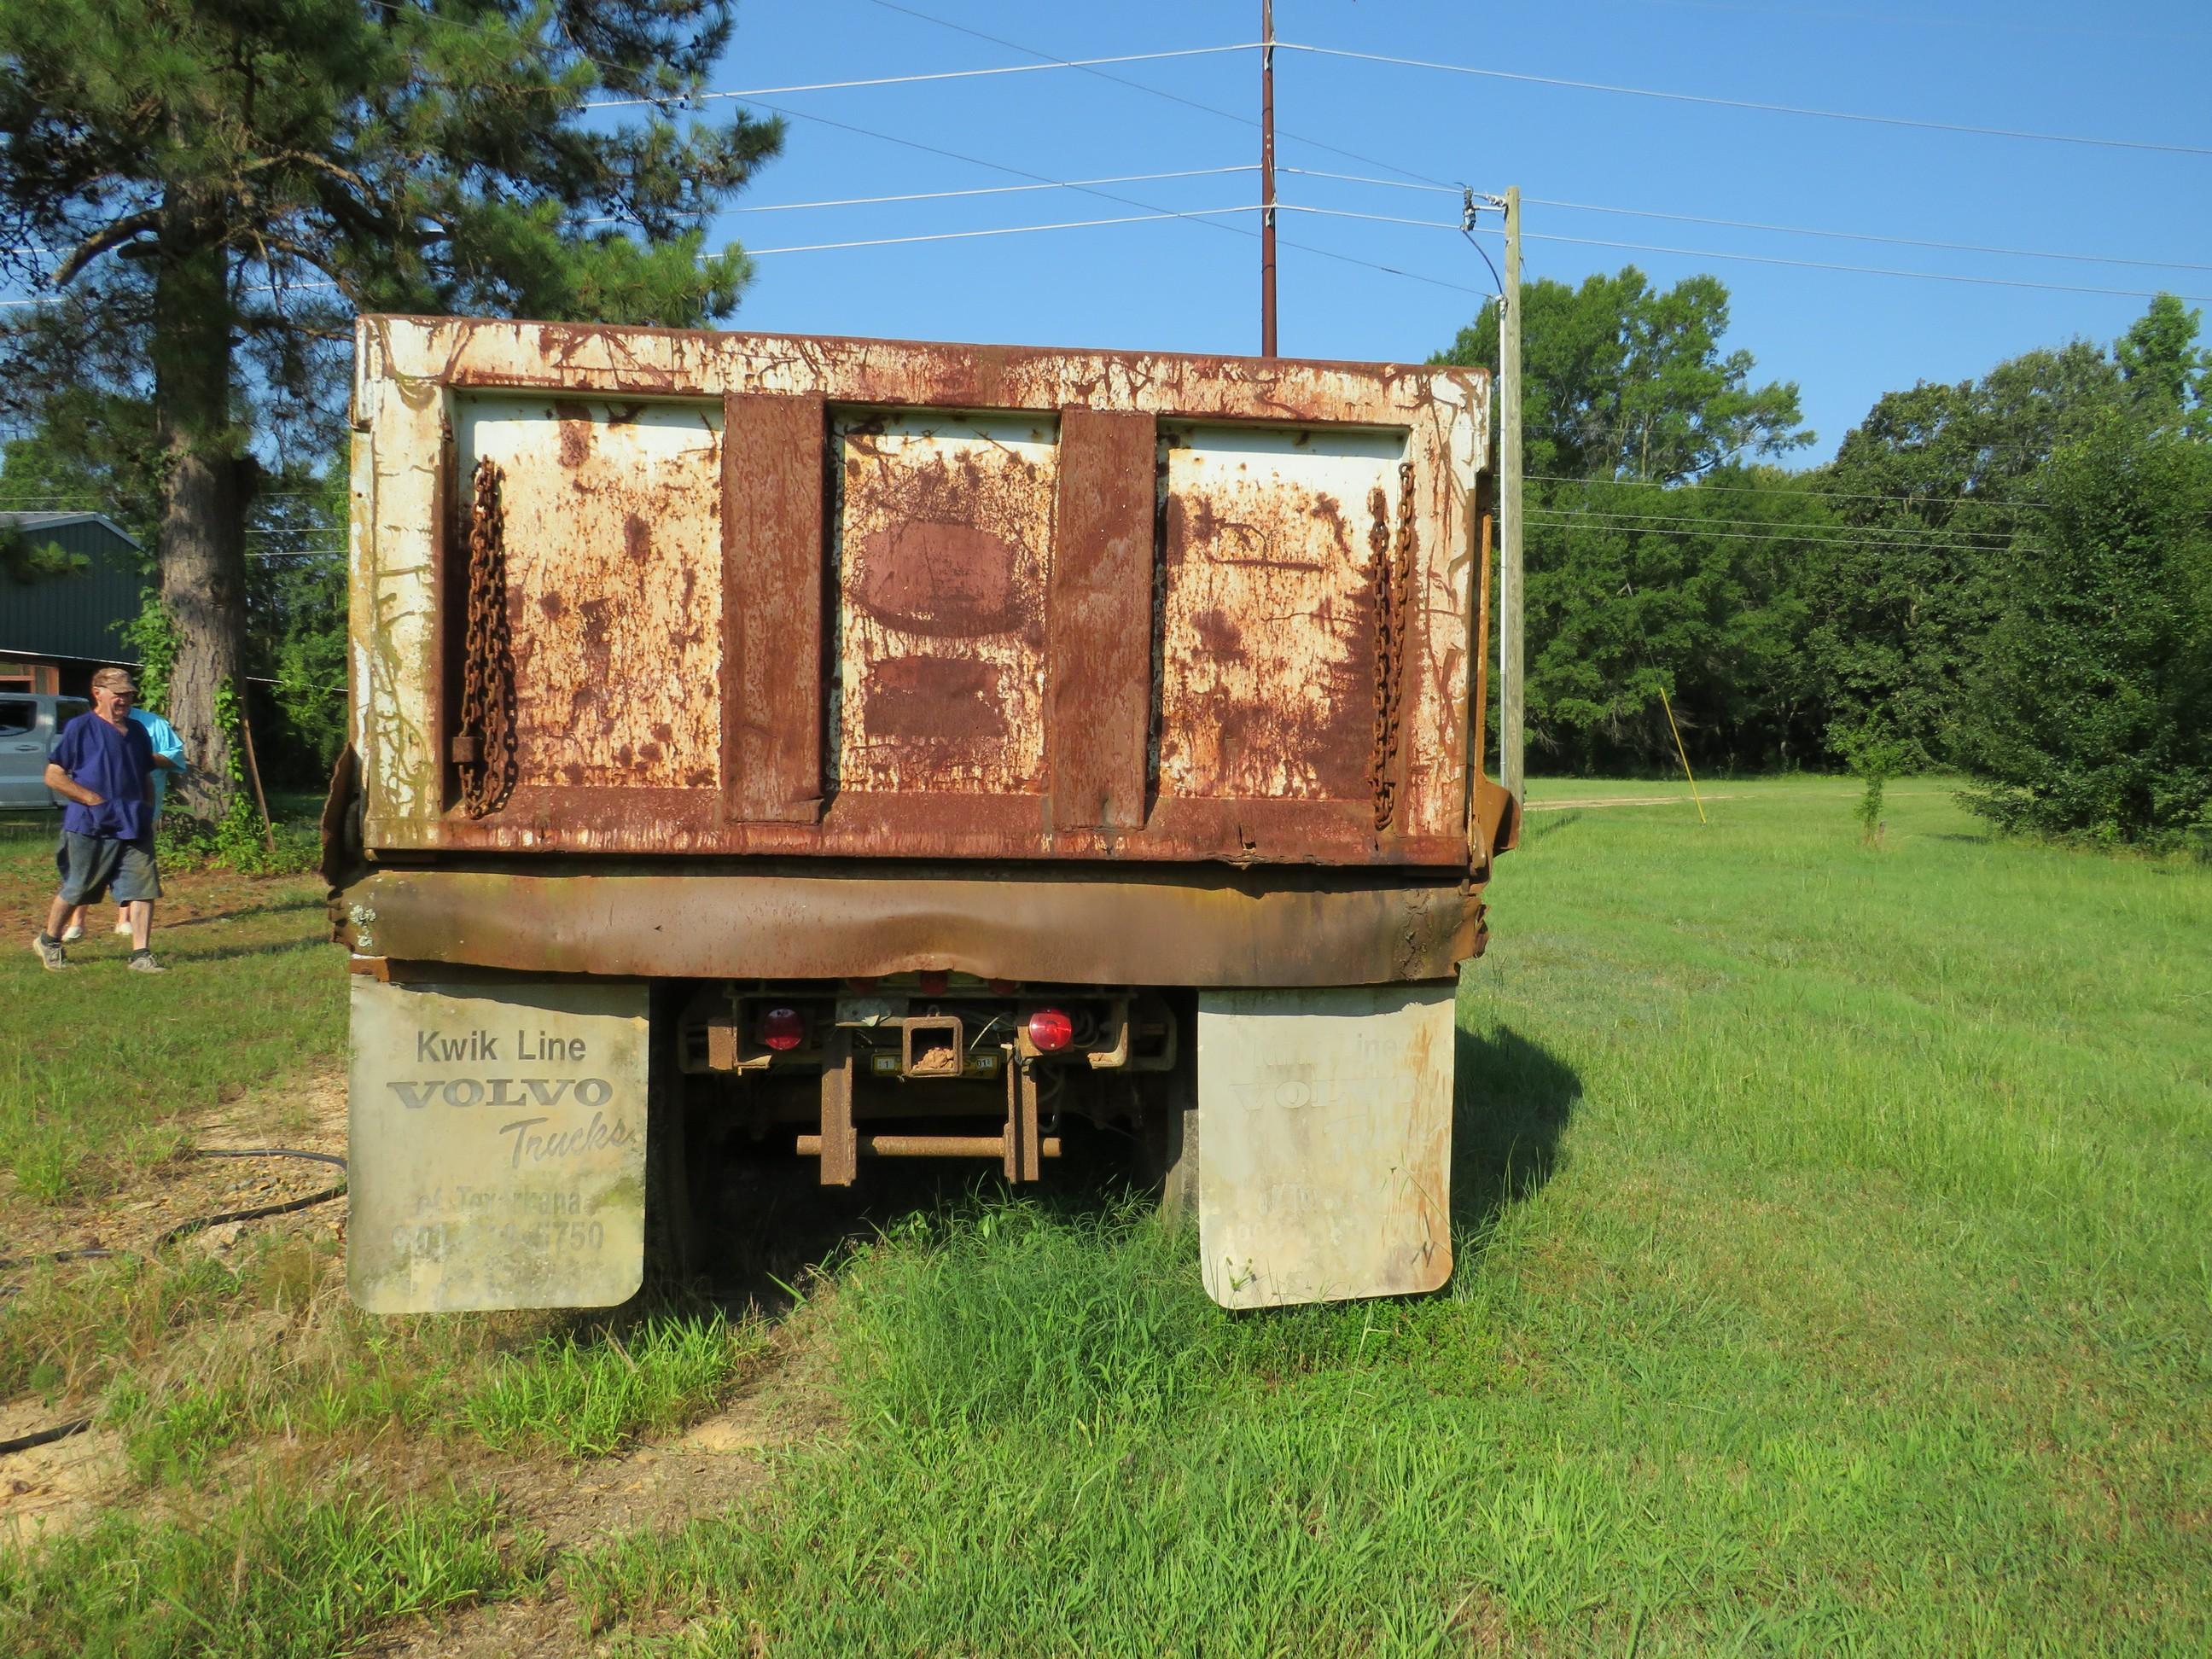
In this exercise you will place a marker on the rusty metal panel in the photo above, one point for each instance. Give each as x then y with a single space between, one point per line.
397 509
1324 1142
1305 686
944 547
772 588
616 616
1267 681
1442 707
1098 669
1106 926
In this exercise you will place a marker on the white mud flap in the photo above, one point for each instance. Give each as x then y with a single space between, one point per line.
1324 1161
496 1146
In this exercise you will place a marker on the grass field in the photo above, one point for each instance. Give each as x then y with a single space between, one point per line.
1833 1278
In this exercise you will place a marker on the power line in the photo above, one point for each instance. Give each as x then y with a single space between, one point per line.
1871 236
1392 184
743 94
1784 230
1753 490
1156 92
1003 230
2009 25
1864 270
1754 258
981 190
1103 195
1932 537
1540 516
1746 103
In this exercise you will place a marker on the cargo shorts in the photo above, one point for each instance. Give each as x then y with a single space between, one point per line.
91 865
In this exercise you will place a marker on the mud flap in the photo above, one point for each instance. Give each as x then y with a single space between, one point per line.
496 1146
1325 1160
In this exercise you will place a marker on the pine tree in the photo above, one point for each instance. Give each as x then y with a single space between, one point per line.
209 188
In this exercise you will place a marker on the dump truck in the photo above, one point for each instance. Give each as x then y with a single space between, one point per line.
821 750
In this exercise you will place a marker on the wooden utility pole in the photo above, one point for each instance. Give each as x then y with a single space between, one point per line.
1510 664
1267 177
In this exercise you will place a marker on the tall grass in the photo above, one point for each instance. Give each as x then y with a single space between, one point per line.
99 1064
270 1577
586 1398
1831 1280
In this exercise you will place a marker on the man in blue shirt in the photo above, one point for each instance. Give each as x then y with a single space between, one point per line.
168 757
103 764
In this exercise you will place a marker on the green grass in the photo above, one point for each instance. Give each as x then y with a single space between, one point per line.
589 1397
271 1576
101 1063
190 1359
1832 1278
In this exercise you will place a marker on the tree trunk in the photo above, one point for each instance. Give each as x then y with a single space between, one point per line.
205 477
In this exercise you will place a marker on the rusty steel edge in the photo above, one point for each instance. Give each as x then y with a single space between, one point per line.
601 359
1204 929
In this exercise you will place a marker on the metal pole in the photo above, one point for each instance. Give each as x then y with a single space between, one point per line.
1509 770
1267 177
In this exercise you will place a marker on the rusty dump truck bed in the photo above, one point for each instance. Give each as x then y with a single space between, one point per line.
810 605
769 749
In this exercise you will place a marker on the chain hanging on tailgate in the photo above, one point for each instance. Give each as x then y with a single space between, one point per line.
1393 598
483 748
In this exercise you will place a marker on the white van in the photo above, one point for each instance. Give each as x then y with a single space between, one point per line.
29 723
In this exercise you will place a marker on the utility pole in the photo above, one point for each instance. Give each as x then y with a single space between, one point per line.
1267 177
1510 664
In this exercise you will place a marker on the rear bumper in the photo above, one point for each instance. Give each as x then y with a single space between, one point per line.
1201 928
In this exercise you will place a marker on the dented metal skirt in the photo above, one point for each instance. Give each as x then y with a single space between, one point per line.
1198 927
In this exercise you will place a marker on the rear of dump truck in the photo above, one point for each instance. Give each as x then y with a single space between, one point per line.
828 751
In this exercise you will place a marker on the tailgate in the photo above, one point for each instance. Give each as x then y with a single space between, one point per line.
763 595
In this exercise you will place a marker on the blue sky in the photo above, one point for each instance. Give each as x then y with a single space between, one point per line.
2137 73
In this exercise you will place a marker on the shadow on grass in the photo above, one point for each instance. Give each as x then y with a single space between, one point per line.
275 947
1515 1099
764 1226
1541 826
243 913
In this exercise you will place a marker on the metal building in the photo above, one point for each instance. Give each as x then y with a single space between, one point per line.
57 629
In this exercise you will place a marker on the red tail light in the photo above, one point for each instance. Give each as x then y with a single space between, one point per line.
783 1028
1051 1030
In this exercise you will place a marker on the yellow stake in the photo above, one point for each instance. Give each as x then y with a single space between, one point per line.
1679 750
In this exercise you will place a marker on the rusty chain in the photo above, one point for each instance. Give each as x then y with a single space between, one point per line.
483 749
1393 597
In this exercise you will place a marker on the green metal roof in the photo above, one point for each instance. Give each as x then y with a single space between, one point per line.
72 616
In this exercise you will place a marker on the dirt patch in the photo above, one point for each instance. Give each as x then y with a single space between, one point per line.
58 1487
718 1464
309 1116
545 1626
190 898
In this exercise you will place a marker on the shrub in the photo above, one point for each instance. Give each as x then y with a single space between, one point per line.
2092 711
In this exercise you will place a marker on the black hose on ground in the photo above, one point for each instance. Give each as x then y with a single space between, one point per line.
182 1230
200 1224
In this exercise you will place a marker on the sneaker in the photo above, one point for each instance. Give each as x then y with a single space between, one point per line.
73 932
51 954
141 962
122 926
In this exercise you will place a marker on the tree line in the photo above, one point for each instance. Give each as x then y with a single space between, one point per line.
203 196
2009 577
